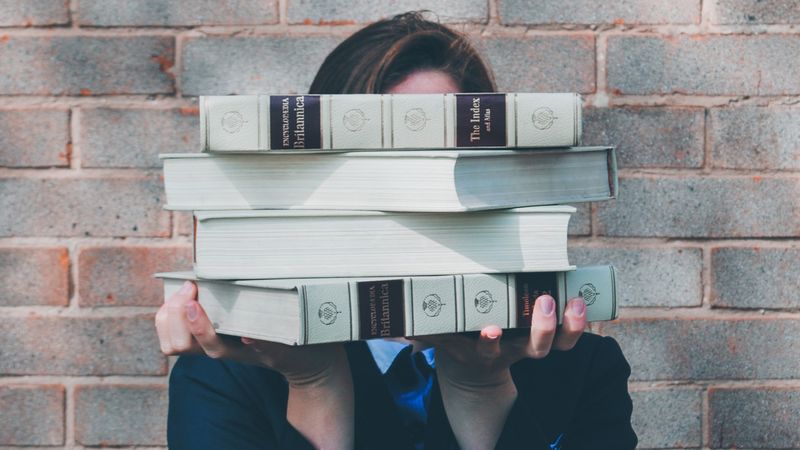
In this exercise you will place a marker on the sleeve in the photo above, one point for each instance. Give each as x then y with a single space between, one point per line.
597 417
602 418
216 404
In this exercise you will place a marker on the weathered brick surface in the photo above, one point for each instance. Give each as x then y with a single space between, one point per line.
34 276
756 417
517 12
648 136
668 418
755 277
337 12
651 277
125 206
123 276
704 64
581 222
115 137
541 63
112 415
755 138
15 13
110 13
250 65
703 207
86 65
80 346
31 415
184 221
34 137
755 12
709 349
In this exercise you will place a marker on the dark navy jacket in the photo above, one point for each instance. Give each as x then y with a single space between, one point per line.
568 400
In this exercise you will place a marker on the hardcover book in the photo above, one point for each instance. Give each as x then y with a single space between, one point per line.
326 243
453 180
389 121
312 311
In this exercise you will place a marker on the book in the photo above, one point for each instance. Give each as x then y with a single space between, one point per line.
312 311
326 243
393 121
452 180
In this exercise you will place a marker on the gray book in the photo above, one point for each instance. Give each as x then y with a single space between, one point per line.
312 311
388 121
251 244
452 180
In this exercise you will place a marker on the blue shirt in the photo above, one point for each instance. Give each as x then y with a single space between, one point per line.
412 401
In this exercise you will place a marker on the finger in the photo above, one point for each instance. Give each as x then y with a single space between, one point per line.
179 334
488 345
162 329
573 325
543 327
203 332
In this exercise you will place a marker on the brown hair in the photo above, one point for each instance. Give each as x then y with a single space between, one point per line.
382 54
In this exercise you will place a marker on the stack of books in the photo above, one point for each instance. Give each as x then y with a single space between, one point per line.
327 218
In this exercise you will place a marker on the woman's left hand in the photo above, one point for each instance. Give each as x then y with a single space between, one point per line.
474 374
473 363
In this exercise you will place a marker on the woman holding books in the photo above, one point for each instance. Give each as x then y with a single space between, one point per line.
550 388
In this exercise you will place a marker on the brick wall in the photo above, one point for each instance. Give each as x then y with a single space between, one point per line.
702 98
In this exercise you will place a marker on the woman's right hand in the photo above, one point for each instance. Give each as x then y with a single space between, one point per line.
184 327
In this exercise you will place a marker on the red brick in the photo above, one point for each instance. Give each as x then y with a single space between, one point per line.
34 276
93 205
34 138
86 65
709 349
560 63
123 276
112 415
35 345
754 417
123 137
32 415
26 13
761 64
171 13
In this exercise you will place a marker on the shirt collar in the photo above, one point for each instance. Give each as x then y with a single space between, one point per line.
384 353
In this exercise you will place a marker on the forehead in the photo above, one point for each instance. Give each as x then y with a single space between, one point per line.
425 82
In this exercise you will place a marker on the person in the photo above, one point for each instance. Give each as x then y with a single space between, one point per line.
549 388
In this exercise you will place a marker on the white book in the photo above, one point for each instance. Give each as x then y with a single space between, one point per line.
453 180
328 243
242 123
312 311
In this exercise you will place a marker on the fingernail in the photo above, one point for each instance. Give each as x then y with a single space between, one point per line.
548 305
191 311
492 335
247 341
186 288
578 307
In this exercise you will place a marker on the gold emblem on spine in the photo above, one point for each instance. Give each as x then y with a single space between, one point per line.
328 313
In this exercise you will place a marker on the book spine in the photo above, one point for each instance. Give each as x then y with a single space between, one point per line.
390 121
418 306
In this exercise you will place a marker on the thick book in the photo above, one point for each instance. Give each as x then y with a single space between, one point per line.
393 121
452 180
312 311
327 243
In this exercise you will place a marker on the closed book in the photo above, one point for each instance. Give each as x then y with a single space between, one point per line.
452 180
312 311
327 243
242 123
